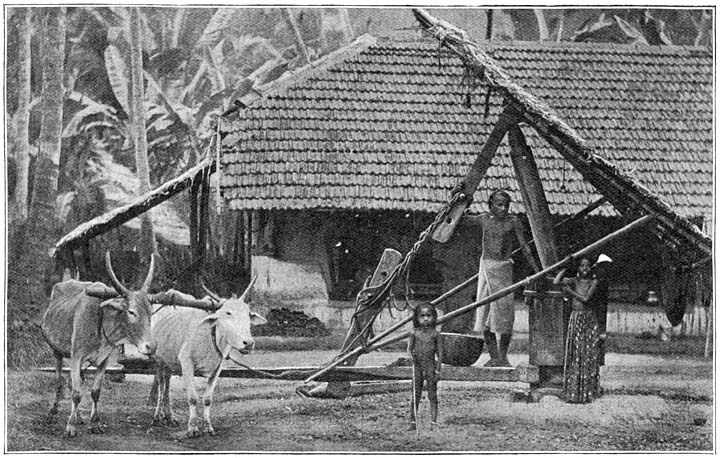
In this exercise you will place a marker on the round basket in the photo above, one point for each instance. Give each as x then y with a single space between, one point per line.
461 349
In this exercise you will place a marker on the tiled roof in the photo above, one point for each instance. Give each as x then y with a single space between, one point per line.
385 127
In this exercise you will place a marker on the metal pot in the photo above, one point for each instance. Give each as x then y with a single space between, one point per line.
461 349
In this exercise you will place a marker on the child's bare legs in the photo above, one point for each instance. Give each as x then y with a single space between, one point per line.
418 380
433 398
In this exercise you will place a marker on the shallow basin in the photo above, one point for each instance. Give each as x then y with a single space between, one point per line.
461 349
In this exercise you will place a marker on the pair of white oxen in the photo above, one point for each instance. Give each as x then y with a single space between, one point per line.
185 340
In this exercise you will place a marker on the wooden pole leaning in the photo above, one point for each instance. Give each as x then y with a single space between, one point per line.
471 181
584 212
376 342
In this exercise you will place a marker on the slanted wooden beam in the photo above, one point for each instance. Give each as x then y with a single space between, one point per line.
476 173
121 215
533 196
581 214
484 158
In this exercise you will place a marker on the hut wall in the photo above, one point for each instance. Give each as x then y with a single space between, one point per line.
296 275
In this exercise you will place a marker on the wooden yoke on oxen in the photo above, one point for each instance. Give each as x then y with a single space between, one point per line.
101 291
176 298
169 297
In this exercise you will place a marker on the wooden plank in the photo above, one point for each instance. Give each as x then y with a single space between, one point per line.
363 388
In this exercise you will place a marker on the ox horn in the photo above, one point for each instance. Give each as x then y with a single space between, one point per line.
247 290
212 295
116 283
149 279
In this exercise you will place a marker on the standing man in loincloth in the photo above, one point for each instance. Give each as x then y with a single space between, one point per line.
499 232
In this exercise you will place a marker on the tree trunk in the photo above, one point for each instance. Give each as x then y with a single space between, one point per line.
704 29
302 49
347 25
137 115
30 276
543 34
19 211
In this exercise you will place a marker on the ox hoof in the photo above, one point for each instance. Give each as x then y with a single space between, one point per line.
193 433
70 431
97 428
210 431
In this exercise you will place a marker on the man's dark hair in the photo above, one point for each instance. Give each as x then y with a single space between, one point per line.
499 192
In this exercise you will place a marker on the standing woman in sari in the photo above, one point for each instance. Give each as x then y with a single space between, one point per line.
582 357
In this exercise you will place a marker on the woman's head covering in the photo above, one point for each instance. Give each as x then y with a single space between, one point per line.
603 258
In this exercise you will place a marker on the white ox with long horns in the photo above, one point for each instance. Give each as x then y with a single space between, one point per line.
195 342
85 328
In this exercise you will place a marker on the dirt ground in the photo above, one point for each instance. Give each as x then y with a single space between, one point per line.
650 403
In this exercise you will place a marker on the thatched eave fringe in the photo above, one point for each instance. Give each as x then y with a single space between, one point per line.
121 215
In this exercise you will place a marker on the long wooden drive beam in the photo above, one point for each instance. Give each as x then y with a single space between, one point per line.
376 342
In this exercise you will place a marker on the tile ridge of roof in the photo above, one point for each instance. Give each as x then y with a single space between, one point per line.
303 73
590 45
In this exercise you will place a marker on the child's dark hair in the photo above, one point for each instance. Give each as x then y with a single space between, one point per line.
498 192
416 313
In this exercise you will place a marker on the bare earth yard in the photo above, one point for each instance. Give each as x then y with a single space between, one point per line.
651 403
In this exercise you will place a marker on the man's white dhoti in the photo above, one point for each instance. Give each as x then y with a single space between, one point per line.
499 315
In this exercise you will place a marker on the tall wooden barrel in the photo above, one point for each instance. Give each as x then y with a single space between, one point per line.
461 349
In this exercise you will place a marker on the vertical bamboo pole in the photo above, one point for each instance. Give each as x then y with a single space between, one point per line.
204 221
247 249
194 190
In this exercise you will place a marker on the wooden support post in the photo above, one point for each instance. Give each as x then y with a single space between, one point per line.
239 241
247 249
533 196
548 314
255 228
194 191
203 222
